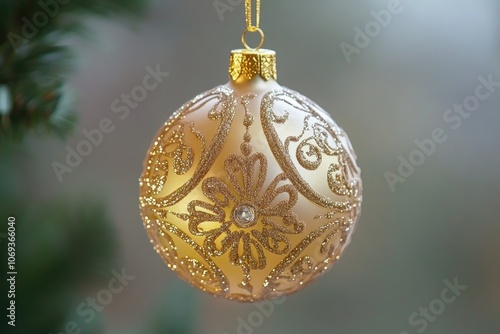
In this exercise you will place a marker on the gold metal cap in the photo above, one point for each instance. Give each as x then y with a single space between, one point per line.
247 64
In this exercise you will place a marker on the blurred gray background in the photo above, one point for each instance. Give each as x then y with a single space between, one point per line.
442 223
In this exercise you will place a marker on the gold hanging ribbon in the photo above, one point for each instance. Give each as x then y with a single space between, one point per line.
248 14
250 62
250 26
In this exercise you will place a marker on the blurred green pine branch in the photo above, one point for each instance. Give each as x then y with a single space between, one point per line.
34 65
64 246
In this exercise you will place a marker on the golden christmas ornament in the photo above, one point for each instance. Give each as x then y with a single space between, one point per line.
250 190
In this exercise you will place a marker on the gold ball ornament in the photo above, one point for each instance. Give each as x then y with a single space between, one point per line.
250 190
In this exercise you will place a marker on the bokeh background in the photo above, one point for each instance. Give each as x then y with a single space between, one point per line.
441 224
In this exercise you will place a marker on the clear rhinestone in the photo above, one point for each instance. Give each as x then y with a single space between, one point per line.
244 215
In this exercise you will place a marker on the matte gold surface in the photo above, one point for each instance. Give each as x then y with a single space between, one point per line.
250 191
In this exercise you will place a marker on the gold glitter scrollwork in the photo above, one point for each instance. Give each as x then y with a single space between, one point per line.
207 277
338 179
172 151
319 137
282 273
200 276
240 218
251 217
306 268
245 243
170 145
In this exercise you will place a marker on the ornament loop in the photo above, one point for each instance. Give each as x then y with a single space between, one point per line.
253 29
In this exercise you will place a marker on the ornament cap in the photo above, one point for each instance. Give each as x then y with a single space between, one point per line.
244 64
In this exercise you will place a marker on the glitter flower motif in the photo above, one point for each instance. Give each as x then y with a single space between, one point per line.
242 217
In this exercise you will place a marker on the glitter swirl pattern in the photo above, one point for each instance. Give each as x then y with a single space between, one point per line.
248 221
